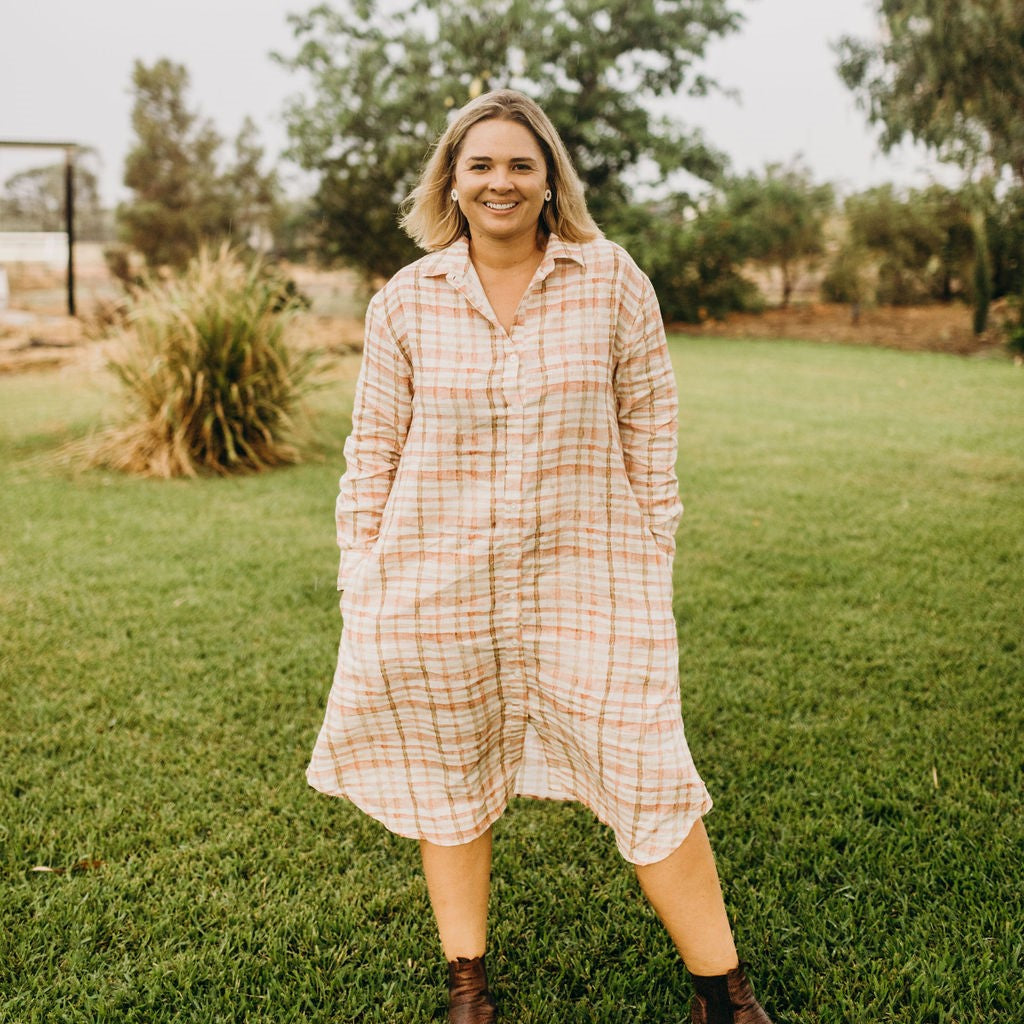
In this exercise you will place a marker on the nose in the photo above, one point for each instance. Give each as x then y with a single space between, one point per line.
500 180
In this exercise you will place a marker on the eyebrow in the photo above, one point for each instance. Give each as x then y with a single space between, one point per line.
513 160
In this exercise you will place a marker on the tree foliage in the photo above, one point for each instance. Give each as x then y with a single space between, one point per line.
252 194
948 73
381 86
1004 228
922 242
693 254
695 250
781 218
849 278
181 196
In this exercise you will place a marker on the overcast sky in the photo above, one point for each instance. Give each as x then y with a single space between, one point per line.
65 69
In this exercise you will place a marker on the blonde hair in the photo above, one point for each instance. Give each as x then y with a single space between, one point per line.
434 221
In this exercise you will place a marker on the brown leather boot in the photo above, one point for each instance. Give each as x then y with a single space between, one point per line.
726 999
469 999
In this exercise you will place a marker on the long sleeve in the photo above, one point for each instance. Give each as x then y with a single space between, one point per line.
648 410
380 421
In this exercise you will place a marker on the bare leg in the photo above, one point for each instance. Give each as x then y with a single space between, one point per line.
685 893
459 884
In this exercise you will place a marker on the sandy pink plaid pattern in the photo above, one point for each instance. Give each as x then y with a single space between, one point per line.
507 523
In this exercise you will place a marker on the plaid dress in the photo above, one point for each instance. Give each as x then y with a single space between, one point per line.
507 523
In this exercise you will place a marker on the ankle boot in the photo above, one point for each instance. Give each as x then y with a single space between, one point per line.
726 999
469 999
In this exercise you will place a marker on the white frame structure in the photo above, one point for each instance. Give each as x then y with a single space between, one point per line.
70 150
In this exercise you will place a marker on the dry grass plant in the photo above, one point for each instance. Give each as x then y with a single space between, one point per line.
212 385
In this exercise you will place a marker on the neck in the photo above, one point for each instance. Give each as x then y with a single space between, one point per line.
504 255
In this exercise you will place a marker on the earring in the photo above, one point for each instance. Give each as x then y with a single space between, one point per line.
547 196
455 195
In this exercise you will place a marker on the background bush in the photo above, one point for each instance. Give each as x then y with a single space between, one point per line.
210 380
694 264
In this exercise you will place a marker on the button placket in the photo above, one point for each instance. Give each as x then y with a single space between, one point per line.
515 439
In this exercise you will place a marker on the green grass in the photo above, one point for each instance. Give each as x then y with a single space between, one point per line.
848 589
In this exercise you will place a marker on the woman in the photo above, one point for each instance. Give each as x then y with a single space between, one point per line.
507 524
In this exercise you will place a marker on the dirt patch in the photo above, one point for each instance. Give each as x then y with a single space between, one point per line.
32 342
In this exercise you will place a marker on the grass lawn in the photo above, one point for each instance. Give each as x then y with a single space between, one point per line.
849 597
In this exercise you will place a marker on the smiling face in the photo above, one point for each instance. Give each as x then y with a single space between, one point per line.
501 176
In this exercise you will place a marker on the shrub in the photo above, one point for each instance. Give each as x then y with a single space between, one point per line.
693 263
1005 230
922 242
780 218
105 317
849 278
1014 327
210 380
1015 340
124 266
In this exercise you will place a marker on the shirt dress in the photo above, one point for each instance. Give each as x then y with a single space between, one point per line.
507 521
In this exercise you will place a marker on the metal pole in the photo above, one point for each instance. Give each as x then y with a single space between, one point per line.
69 218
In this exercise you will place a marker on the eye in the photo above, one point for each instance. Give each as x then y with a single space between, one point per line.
478 167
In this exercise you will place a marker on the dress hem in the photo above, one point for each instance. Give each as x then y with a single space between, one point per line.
683 822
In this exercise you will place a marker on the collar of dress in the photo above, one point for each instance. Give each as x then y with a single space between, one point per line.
453 261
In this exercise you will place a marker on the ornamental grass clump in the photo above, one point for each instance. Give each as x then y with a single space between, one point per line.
213 386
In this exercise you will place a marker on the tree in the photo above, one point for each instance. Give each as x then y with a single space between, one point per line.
253 196
33 200
693 254
181 196
948 73
1005 231
923 243
382 86
849 278
172 170
781 217
904 238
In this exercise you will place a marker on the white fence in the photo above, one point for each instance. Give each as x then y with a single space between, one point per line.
50 247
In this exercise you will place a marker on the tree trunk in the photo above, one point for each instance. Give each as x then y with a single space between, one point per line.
982 275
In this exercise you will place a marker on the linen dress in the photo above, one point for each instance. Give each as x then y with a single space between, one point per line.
507 523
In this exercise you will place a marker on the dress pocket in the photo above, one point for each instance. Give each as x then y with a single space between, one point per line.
650 539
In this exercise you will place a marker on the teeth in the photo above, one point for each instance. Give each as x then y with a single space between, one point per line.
500 206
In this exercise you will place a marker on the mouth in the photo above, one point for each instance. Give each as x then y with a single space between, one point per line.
500 206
